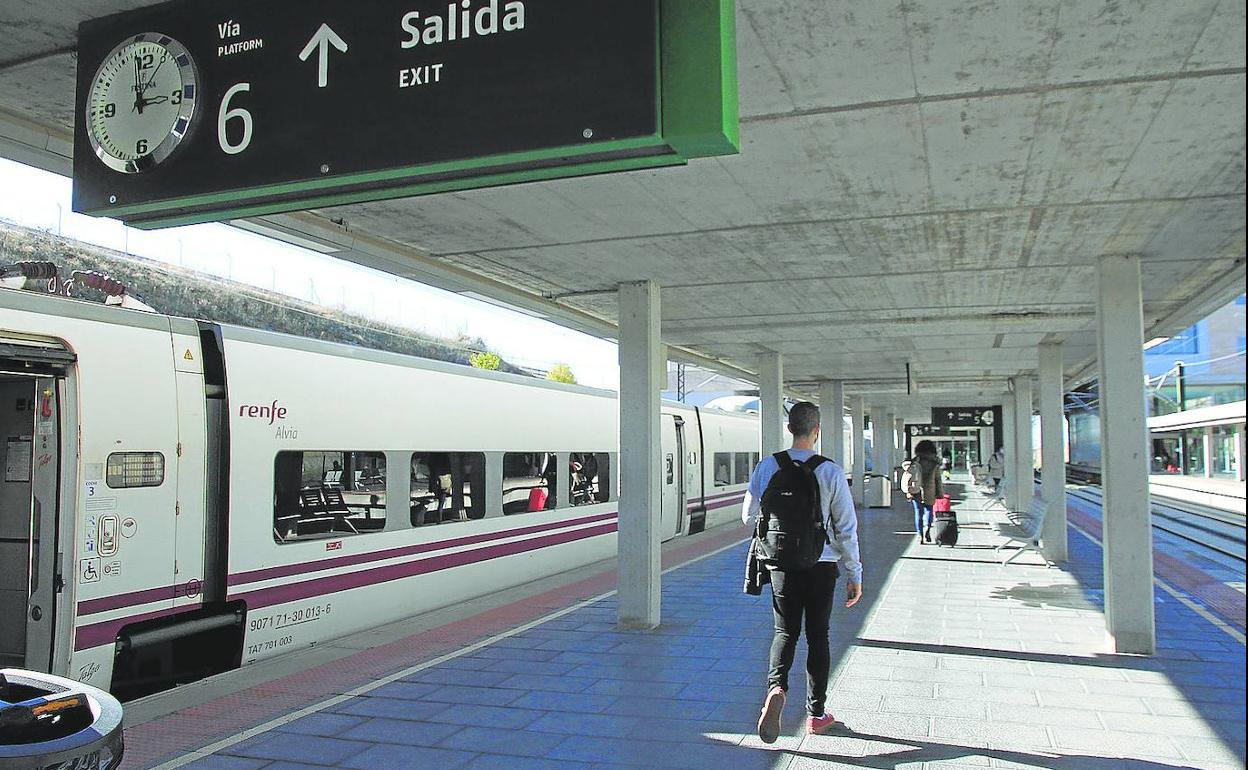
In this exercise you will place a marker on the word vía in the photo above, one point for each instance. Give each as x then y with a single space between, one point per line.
461 22
232 29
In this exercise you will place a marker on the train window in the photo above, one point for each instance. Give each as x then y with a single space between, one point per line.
743 468
127 470
328 494
530 480
753 461
723 469
589 476
669 465
447 487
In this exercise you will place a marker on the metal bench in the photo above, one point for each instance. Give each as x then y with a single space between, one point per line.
1024 527
997 498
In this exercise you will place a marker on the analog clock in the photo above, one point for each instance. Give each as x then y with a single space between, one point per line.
141 104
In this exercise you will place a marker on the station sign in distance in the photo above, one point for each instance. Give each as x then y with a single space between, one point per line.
964 416
190 111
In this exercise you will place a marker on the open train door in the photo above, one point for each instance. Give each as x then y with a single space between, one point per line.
673 475
32 405
44 521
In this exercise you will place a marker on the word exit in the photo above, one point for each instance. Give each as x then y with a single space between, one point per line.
410 77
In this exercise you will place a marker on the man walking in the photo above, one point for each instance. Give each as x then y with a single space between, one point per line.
808 589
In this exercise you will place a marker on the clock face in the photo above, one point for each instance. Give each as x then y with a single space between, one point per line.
142 103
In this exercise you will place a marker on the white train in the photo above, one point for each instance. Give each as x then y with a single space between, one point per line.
181 498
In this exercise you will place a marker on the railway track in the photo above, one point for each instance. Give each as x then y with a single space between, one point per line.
1217 530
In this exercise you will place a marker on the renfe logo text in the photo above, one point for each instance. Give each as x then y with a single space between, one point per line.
271 412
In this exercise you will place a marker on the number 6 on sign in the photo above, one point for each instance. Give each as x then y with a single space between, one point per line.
227 114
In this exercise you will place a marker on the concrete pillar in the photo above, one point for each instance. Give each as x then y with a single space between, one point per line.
771 402
641 373
832 420
1023 462
874 417
857 413
1053 461
1127 530
890 443
899 442
1007 444
1206 445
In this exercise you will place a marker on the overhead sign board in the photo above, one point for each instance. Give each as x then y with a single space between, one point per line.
964 416
192 111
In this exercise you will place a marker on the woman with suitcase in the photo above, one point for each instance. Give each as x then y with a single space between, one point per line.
924 487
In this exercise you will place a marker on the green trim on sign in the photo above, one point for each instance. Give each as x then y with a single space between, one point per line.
701 115
387 175
450 185
698 116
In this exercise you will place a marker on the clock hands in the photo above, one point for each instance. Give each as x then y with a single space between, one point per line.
138 90
152 79
141 87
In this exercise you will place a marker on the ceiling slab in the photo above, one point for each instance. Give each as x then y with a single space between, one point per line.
919 182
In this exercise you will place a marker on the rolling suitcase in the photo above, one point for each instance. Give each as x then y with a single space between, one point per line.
945 529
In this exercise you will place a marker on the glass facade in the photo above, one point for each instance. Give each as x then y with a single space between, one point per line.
1166 455
1225 463
1194 452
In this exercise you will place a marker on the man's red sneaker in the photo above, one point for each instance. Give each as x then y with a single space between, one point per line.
769 721
820 725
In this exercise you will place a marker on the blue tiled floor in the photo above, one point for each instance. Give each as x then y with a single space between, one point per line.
951 662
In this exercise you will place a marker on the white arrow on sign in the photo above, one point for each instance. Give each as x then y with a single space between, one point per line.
323 39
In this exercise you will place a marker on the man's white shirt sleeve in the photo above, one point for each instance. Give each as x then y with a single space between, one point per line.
844 522
751 506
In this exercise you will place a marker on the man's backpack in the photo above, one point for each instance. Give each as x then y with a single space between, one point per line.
791 528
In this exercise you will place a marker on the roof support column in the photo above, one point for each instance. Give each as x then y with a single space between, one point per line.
890 444
1024 461
832 420
1053 459
899 440
857 437
771 402
881 427
1127 530
1007 445
641 373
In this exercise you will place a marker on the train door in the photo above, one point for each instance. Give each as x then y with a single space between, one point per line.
191 476
30 424
690 478
673 476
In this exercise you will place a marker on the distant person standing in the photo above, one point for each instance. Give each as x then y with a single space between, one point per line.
996 468
800 486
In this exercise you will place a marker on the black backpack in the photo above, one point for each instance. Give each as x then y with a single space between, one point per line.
791 532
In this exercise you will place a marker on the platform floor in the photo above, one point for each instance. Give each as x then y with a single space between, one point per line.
1223 494
951 661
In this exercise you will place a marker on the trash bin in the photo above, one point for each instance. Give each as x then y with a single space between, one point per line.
52 723
879 491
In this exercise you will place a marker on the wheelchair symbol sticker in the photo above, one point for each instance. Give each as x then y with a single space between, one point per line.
89 571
